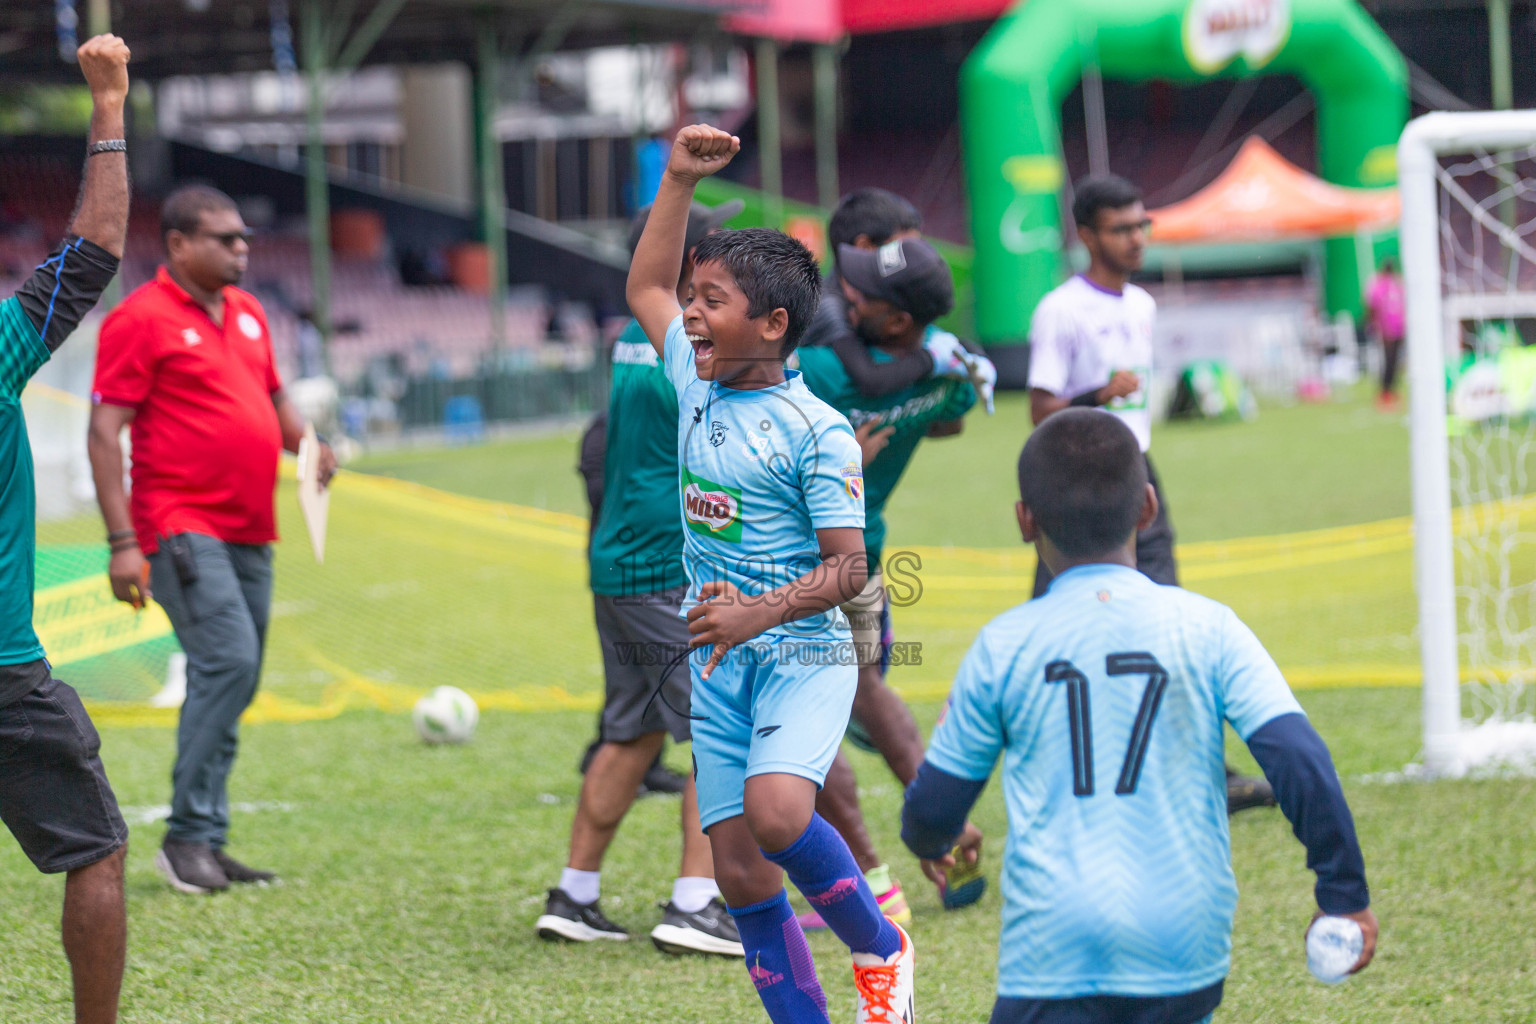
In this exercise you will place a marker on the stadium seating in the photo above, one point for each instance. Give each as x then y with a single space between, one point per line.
422 331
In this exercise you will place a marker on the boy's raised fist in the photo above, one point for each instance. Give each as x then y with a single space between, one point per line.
700 150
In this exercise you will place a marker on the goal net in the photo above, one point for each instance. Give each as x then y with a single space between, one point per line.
1468 186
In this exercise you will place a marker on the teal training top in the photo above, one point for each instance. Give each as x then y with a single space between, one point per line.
637 545
22 353
912 410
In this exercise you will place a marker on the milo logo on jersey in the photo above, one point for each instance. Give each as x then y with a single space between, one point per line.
1137 399
712 509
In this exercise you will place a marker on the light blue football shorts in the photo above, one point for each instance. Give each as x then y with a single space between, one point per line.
775 704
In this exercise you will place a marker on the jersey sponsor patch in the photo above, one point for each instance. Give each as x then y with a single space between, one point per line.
853 481
249 326
712 509
634 353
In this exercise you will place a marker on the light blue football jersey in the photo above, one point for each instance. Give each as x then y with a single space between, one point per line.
761 471
1106 699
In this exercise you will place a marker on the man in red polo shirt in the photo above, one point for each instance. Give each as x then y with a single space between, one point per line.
186 360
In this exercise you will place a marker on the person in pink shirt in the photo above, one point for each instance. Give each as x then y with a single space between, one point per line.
1387 318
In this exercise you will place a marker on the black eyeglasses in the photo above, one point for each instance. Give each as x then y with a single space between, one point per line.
228 238
1125 230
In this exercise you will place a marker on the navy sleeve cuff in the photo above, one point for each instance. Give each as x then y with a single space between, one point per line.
1297 764
935 810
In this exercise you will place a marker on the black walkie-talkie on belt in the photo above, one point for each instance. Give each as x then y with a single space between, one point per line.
182 559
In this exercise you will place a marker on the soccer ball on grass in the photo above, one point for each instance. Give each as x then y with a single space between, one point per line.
446 715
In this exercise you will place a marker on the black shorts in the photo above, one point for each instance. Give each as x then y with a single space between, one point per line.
54 794
644 639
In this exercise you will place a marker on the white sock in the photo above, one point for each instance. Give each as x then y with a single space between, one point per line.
581 886
692 894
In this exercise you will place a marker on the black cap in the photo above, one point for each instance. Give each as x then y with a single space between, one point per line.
701 221
908 273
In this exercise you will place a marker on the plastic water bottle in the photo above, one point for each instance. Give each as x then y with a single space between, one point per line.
1334 945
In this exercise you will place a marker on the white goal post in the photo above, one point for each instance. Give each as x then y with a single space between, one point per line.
1466 259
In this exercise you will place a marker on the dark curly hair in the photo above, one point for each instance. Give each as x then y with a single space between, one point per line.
773 270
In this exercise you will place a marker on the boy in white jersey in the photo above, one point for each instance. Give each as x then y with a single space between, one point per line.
1106 699
1090 344
1090 341
773 515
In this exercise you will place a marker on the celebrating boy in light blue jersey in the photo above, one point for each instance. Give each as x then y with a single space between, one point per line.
773 509
1106 699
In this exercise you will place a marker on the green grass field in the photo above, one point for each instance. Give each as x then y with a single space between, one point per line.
413 874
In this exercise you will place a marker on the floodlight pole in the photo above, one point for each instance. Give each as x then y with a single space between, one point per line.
824 57
770 158
317 199
493 191
1498 54
98 17
327 49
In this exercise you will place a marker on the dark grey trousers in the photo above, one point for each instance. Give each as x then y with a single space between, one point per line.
221 622
1154 545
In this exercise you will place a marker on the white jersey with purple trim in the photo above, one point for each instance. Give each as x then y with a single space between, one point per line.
761 471
1082 334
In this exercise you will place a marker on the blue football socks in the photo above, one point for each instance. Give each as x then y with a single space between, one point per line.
824 871
779 962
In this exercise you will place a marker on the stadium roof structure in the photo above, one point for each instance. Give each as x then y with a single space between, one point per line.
1262 196
190 37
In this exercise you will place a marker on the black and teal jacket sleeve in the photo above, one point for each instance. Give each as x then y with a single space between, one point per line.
65 287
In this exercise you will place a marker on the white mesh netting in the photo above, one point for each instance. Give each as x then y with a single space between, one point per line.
1487 207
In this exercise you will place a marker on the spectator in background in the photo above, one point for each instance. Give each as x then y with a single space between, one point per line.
1384 307
1090 346
186 360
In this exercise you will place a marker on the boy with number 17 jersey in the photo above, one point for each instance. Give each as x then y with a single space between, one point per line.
773 511
1106 700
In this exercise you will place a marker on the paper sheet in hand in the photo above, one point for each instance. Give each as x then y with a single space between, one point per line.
314 501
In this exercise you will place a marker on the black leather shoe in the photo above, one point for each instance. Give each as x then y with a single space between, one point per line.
190 867
241 873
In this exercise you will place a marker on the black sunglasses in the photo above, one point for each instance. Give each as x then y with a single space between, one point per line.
1126 230
227 238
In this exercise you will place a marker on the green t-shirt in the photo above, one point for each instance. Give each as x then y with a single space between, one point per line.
912 410
22 353
637 546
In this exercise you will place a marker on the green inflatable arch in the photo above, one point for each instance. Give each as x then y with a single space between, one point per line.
1013 85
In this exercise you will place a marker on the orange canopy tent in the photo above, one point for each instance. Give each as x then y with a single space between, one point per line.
1263 196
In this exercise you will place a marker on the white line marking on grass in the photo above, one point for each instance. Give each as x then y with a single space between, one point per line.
382 591
159 812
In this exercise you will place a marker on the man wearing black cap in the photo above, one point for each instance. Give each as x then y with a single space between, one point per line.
637 589
868 218
893 294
